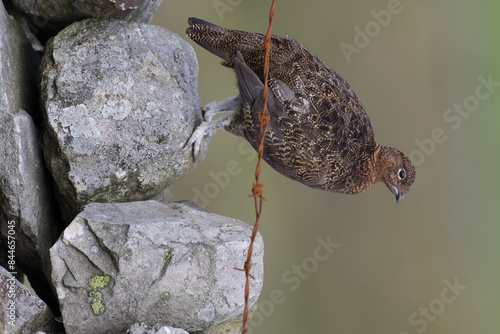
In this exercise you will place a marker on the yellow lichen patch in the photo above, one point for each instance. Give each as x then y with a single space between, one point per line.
96 302
99 282
164 298
96 299
165 295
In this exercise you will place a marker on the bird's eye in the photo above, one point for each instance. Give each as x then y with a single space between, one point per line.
401 173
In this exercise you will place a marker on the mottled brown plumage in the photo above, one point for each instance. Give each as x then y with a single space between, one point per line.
319 133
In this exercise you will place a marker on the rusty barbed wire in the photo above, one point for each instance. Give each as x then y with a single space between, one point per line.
257 189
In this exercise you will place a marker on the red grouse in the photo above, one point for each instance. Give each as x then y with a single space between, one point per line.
319 134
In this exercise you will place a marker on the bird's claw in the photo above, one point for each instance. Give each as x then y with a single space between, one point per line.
208 127
200 133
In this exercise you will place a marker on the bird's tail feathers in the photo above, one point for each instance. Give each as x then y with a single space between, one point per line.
222 42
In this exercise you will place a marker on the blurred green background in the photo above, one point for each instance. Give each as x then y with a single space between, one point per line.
388 274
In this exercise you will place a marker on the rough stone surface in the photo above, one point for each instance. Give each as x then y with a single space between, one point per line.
28 211
18 66
173 264
53 15
157 329
120 100
21 310
27 208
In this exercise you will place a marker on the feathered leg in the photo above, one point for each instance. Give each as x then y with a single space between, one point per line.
208 127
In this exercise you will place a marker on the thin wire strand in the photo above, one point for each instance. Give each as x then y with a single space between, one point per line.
257 189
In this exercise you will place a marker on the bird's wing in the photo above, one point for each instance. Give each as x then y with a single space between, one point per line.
285 148
251 92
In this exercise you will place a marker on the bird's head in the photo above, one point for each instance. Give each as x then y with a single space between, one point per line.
396 171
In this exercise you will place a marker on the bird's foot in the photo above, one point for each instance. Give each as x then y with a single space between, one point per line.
200 133
208 127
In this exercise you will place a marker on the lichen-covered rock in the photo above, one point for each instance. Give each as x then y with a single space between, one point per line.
51 16
21 310
119 100
28 211
18 67
173 264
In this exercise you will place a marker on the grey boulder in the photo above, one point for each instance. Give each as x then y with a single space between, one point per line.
119 101
173 264
50 16
28 211
18 67
21 310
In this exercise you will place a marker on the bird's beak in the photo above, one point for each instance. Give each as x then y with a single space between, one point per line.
399 198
